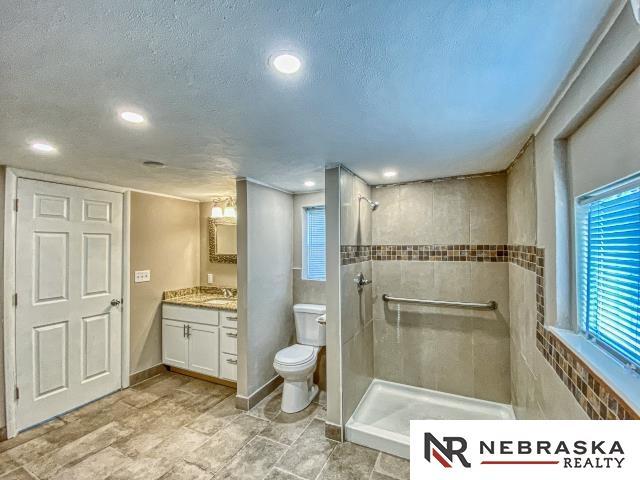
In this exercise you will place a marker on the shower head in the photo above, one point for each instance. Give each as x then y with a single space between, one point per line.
372 205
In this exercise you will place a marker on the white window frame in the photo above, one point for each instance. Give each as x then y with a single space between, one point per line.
581 211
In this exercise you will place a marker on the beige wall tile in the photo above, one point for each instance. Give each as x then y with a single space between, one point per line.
451 212
488 209
521 199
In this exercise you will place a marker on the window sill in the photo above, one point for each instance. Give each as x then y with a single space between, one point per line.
622 380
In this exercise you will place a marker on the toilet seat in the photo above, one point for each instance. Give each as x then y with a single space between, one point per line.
296 355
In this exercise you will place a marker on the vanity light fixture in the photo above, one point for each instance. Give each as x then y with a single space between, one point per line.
230 212
286 63
43 147
216 211
390 173
224 207
309 183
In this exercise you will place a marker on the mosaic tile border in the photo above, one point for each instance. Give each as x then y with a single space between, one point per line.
593 394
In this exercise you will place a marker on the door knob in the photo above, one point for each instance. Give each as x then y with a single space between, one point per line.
115 302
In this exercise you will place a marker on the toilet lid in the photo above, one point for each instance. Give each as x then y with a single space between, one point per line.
295 354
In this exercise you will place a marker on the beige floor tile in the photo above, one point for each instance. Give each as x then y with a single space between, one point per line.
18 474
287 427
227 442
178 444
254 461
95 467
277 474
309 453
144 468
349 461
269 407
379 476
49 465
186 471
392 466
216 417
30 434
7 464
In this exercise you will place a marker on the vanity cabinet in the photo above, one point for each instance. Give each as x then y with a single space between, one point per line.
200 340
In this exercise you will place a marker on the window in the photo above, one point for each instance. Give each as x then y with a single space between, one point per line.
609 270
313 248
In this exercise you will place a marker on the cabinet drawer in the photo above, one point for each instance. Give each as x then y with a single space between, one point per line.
206 316
229 340
228 367
229 319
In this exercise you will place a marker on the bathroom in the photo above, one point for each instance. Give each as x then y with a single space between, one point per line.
256 240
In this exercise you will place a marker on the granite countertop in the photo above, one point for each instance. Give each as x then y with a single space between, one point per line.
199 296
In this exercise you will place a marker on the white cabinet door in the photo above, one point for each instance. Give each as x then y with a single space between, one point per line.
174 344
68 271
203 349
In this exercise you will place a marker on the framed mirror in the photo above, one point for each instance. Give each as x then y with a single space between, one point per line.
222 240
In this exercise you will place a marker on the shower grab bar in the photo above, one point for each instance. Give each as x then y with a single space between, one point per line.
492 305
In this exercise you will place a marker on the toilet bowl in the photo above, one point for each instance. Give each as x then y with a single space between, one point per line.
297 363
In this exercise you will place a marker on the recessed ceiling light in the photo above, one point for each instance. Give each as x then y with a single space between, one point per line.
153 164
42 147
286 63
132 117
309 183
390 173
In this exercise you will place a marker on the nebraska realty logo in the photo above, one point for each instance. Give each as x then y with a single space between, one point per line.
529 449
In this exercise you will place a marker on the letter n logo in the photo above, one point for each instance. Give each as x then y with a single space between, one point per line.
455 447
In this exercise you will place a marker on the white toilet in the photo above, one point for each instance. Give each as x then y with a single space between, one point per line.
296 364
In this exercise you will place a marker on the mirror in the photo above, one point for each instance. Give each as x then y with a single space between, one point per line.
222 241
226 240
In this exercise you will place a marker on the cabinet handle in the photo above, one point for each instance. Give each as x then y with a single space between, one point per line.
232 335
184 329
232 318
188 331
232 361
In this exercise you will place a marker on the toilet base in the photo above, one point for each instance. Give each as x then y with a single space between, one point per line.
298 394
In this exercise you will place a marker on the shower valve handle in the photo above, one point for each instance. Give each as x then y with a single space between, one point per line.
361 281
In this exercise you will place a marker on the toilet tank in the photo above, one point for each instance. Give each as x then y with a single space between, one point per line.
308 330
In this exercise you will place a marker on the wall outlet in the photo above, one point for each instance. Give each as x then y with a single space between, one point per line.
142 276
209 277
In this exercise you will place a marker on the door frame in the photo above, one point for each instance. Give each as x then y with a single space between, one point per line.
12 175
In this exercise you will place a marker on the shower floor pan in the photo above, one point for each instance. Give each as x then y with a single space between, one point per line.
381 420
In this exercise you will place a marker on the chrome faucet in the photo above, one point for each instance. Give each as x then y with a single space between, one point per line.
227 292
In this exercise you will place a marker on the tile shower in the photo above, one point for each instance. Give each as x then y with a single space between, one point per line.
468 239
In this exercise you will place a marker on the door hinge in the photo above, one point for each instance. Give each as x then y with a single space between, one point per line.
15 205
17 393
15 299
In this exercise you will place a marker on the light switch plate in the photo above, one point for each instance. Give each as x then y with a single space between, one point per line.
142 276
209 277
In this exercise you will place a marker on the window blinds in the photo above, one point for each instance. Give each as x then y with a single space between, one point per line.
315 268
613 274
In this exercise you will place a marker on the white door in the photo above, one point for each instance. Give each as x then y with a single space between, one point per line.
174 343
68 270
203 349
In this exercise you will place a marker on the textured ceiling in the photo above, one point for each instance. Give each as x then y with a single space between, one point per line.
430 88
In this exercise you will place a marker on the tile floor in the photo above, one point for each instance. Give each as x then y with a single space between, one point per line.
177 427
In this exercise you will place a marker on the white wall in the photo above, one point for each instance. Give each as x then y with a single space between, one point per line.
607 147
265 294
613 60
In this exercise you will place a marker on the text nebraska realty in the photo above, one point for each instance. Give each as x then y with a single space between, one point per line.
577 454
